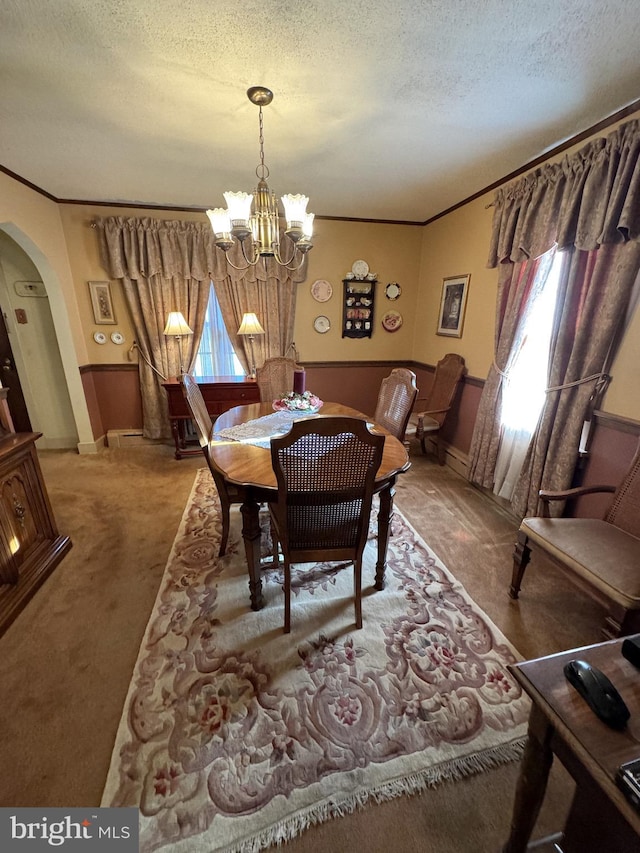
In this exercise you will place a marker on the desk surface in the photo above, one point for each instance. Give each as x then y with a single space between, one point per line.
597 749
245 464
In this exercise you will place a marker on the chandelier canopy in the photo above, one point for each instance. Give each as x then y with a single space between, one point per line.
254 219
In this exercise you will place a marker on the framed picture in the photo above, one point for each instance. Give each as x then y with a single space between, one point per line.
101 302
452 305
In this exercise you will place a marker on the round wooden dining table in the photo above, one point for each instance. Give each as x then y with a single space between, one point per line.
249 468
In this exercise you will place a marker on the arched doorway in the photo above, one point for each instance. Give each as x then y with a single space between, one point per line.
32 310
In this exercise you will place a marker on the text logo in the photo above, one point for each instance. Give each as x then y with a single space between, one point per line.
104 830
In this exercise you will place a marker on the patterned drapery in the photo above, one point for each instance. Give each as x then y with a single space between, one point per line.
168 265
273 302
589 198
587 204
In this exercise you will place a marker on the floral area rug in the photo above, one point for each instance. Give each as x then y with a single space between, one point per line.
236 736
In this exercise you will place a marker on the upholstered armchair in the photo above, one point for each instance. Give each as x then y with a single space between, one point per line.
601 556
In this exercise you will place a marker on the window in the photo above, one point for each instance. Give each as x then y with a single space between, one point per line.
523 392
216 356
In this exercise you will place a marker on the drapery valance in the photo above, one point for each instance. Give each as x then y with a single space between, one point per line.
588 198
141 248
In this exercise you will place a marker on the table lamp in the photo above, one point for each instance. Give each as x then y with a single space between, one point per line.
251 327
177 327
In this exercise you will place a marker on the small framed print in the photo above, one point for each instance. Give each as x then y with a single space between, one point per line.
452 305
101 303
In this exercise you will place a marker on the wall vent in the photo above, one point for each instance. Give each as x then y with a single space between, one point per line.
125 438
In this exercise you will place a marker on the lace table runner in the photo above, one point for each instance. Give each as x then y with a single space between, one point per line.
260 431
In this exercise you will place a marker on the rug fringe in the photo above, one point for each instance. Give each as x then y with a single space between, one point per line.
410 785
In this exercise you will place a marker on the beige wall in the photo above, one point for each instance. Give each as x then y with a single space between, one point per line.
33 222
84 259
458 244
393 253
417 258
35 349
623 395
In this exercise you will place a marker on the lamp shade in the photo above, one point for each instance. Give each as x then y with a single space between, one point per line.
177 325
307 225
250 325
239 206
295 208
220 222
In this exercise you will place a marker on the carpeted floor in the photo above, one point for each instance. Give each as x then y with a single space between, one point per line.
236 735
66 662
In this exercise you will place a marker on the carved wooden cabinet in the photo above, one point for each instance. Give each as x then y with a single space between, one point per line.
30 545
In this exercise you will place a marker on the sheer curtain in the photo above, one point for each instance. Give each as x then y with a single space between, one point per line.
515 283
274 303
215 356
523 392
587 204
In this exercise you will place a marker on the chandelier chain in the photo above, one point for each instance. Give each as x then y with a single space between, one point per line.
262 171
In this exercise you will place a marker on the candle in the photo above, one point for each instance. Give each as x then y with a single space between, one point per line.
298 381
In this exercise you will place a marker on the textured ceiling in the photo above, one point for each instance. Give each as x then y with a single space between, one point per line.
388 109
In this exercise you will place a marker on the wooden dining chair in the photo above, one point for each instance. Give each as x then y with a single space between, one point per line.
227 492
431 412
275 378
396 397
325 470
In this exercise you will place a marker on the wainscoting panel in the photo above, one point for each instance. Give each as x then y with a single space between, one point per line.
113 400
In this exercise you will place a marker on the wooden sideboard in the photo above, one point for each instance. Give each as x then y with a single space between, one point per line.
30 545
220 393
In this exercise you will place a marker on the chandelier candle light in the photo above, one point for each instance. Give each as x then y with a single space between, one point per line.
253 218
177 327
250 326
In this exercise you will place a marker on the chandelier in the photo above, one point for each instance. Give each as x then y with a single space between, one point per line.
254 219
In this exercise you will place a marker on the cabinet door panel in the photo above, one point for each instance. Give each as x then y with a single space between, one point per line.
18 506
30 545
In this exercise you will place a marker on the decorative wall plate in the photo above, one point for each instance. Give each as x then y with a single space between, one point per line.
321 290
392 290
100 337
360 269
391 321
322 324
117 338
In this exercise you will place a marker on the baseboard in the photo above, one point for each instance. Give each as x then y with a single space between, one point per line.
69 443
457 460
454 458
129 438
87 447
